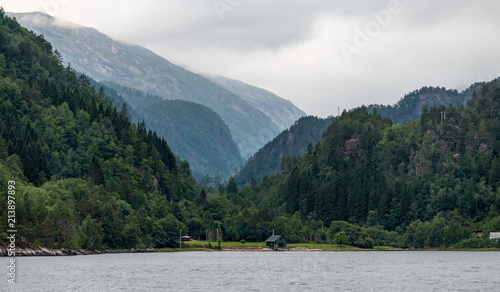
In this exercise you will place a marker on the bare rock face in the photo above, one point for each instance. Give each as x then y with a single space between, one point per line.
483 148
430 133
419 170
351 147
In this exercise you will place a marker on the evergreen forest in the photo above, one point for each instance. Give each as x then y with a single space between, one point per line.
87 177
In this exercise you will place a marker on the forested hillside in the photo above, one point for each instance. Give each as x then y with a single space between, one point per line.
193 131
85 176
105 59
434 181
306 131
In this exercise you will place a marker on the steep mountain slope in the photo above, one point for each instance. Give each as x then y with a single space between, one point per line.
80 174
281 111
194 132
290 143
104 59
411 105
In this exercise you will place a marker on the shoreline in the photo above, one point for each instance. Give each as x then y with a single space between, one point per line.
43 251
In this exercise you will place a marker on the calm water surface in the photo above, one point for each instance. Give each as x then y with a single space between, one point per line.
260 271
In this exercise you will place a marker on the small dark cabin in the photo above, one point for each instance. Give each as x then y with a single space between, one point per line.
276 242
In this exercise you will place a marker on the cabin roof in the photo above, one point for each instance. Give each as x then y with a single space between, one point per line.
273 238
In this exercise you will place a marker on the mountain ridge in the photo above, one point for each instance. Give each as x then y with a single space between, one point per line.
284 150
194 132
105 59
263 100
288 144
411 105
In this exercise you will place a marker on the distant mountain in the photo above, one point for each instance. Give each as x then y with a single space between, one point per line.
194 132
411 105
290 143
281 111
105 59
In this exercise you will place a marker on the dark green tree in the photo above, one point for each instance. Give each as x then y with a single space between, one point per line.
341 238
495 172
232 187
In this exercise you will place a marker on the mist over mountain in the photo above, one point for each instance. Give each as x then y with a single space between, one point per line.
105 59
194 132
281 111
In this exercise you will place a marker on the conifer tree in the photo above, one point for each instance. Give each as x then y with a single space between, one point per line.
495 172
232 188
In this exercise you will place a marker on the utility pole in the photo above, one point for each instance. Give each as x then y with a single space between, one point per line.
443 116
180 238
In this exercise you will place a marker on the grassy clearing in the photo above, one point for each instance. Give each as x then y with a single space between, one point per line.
316 245
385 248
195 243
260 244
169 249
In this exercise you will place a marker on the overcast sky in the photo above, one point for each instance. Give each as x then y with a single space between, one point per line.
320 54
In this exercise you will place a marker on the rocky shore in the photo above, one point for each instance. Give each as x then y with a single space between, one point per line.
43 251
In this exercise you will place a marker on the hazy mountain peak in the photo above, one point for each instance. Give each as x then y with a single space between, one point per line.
281 111
41 19
254 116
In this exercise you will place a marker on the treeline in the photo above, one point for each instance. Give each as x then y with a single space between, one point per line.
411 105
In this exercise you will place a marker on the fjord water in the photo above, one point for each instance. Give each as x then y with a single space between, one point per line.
261 271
